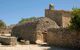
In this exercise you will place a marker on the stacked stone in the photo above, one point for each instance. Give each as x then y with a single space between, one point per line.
8 40
63 37
42 26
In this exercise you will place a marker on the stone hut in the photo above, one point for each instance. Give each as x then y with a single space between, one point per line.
43 25
34 31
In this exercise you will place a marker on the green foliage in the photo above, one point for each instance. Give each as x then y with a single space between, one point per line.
76 11
51 6
30 27
75 20
2 24
24 20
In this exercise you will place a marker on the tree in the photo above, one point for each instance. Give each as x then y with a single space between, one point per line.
24 20
75 20
2 24
51 6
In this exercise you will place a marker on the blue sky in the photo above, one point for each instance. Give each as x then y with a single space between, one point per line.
11 11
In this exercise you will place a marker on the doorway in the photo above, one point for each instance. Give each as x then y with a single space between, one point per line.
44 36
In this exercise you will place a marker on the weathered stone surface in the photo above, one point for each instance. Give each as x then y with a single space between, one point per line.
63 37
8 40
61 17
33 31
42 26
25 31
6 31
27 42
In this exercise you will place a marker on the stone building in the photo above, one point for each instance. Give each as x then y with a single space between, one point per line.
42 27
34 31
61 17
51 29
37 31
61 36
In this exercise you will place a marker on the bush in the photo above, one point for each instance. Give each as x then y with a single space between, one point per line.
2 24
75 19
24 20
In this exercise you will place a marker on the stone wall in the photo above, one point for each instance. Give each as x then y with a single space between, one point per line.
6 31
54 15
25 31
66 17
61 17
8 40
42 26
63 37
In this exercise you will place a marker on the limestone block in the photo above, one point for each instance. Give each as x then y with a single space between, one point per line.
8 40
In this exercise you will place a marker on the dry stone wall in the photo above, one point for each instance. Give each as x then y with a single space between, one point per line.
63 37
61 17
25 31
42 26
8 40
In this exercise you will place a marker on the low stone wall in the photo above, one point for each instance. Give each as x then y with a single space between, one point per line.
8 40
63 37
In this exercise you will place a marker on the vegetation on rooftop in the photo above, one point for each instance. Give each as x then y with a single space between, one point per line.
24 20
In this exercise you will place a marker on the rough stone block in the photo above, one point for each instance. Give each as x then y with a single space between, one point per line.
8 40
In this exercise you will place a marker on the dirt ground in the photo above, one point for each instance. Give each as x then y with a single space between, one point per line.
23 47
32 47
